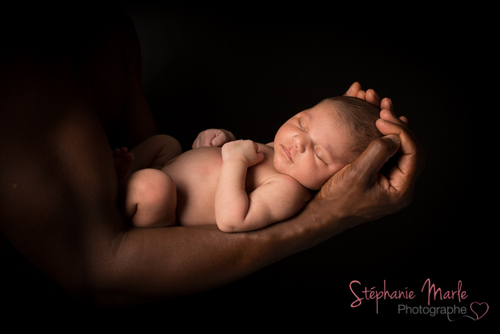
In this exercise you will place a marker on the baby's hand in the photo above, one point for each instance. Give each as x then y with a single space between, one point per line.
213 137
245 150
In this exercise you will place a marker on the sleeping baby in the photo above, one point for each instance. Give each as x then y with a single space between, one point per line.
243 185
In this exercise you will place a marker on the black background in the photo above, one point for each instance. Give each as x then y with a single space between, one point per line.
248 67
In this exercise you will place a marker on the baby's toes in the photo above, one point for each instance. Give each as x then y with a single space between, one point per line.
128 158
120 152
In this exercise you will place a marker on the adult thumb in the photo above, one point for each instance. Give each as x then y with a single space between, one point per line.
380 150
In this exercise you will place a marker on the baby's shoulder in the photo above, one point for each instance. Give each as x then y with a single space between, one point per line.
289 187
286 181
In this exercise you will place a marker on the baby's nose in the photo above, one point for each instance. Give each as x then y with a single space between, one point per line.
300 143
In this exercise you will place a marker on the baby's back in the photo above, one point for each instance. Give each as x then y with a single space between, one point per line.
196 175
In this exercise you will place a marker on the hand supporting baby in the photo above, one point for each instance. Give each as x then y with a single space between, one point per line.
376 194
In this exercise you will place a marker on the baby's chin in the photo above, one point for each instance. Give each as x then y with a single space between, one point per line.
313 185
318 184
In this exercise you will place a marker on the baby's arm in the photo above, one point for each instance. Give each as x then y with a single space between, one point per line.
275 200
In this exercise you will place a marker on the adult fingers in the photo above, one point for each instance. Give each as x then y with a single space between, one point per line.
387 104
369 163
353 89
388 115
369 95
361 95
372 97
411 160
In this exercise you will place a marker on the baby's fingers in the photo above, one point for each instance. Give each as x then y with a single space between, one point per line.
222 137
204 138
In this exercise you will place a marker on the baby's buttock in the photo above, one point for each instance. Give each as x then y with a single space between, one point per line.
196 174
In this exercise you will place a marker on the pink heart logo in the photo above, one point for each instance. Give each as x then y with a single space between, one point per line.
479 309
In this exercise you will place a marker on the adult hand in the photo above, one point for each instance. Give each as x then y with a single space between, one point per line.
371 96
213 137
376 194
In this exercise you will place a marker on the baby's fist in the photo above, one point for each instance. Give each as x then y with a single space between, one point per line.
213 138
246 150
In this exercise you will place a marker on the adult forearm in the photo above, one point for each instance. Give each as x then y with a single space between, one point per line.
152 264
155 264
308 228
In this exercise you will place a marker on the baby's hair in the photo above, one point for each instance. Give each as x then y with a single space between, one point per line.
360 116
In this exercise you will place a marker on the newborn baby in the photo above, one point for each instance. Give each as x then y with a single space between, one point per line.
245 185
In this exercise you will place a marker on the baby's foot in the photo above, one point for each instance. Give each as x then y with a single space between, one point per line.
123 160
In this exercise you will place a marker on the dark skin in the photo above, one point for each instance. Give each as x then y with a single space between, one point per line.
59 186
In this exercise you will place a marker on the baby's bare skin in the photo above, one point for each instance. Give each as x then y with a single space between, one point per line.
196 176
123 160
73 231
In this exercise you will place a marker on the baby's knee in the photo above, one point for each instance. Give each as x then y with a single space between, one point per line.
151 199
152 185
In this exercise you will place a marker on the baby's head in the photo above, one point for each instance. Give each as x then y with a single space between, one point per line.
318 142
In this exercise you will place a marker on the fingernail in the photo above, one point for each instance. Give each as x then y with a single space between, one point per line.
394 138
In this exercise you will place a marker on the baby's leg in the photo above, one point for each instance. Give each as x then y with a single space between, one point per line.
123 159
149 198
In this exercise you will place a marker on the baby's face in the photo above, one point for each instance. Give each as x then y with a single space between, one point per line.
312 146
